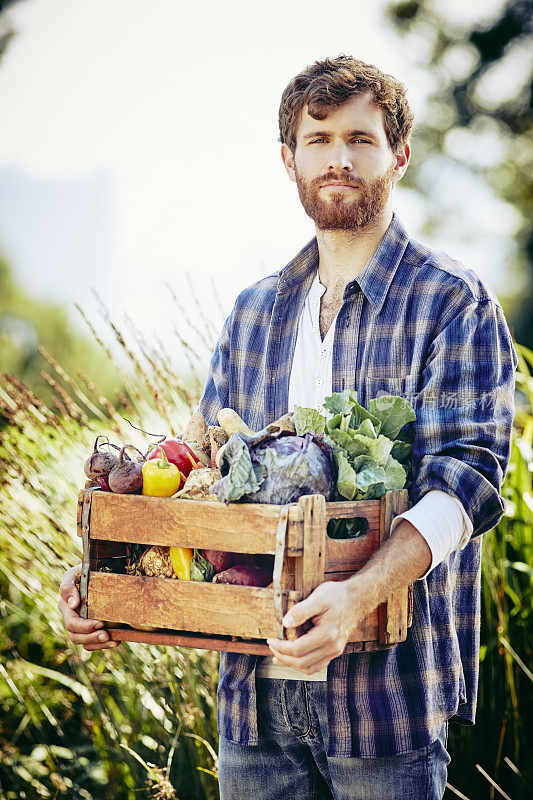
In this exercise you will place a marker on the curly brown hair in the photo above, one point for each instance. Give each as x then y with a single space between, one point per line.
328 84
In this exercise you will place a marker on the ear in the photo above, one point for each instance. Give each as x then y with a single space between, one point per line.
288 161
401 162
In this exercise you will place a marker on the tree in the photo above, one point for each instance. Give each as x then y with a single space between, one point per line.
478 119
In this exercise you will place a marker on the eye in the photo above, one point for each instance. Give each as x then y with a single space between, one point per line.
316 141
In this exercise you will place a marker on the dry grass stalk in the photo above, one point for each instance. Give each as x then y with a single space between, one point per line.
159 402
183 313
132 390
71 383
210 328
73 409
104 402
125 403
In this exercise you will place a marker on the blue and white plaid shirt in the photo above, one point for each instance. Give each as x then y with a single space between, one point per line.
418 324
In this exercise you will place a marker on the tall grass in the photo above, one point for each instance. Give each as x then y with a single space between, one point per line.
136 722
139 722
500 743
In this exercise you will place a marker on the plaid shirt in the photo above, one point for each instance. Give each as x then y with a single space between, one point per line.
418 324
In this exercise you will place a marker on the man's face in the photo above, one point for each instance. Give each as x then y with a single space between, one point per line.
343 166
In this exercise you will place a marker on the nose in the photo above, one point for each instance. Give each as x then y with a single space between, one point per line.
339 157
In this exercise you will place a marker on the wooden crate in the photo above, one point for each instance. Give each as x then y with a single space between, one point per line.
218 616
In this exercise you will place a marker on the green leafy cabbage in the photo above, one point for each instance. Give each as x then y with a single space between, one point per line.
372 452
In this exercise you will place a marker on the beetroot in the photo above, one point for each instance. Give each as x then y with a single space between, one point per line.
245 575
126 477
218 558
100 464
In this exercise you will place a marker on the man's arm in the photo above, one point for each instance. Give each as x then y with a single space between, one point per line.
336 607
464 412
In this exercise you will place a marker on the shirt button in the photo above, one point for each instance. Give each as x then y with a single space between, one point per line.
323 353
319 381
315 328
314 304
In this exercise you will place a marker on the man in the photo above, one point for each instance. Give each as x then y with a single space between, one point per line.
364 307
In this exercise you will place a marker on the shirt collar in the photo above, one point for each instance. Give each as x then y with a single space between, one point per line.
376 277
379 271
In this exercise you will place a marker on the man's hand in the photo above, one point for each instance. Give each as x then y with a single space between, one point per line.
337 607
86 632
334 614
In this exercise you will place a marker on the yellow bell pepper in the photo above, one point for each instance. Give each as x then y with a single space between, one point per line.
160 477
181 558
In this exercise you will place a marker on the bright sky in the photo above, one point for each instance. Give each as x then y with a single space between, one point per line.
176 103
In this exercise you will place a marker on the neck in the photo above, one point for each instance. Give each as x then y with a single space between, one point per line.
344 254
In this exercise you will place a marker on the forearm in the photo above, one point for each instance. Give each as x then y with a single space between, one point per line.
403 559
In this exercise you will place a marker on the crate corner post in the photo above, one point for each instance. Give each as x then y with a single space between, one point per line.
394 613
310 567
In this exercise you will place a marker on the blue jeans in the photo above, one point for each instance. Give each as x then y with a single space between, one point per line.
290 761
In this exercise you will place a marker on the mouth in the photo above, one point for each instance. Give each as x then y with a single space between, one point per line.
339 185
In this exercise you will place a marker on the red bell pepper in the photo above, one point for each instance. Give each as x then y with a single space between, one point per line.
178 453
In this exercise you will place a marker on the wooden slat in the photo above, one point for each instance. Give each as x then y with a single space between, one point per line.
368 509
341 554
184 639
238 528
309 569
205 642
365 633
183 605
394 613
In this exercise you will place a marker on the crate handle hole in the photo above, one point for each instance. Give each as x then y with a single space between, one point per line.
348 528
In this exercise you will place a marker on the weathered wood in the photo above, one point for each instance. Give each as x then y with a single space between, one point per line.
81 498
310 567
238 528
342 554
346 509
198 640
218 616
287 573
281 541
183 605
204 642
394 612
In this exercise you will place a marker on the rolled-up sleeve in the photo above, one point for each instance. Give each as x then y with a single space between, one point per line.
465 410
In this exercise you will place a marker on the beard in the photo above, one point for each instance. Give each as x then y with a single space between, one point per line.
338 213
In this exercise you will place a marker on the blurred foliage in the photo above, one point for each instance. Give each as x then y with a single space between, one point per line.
502 738
25 322
477 117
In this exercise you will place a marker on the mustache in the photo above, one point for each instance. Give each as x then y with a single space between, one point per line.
330 176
